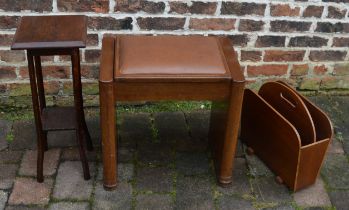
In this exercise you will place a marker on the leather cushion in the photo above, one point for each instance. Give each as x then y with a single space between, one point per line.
169 55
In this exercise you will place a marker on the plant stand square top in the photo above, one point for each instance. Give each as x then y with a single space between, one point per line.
43 32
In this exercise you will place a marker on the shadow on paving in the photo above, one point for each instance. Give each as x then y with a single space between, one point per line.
164 163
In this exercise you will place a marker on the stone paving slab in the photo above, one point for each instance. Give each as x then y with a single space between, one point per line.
158 179
117 199
5 128
336 171
194 193
314 195
267 190
7 175
24 135
73 154
28 191
3 199
10 156
29 163
70 183
192 163
69 206
154 202
340 199
228 202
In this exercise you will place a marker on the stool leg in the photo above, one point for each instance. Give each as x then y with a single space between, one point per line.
87 135
37 115
41 93
224 136
108 127
79 110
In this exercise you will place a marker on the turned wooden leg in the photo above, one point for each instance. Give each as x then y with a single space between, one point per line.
38 122
108 127
79 110
224 128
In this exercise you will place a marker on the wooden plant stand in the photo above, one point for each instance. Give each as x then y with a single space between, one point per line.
47 36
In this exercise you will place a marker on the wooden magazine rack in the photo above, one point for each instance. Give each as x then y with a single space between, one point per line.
286 131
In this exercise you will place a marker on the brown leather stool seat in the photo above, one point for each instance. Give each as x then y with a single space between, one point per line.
152 68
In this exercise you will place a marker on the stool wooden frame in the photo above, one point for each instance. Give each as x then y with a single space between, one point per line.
226 94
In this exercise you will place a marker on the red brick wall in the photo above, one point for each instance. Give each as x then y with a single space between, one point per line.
302 41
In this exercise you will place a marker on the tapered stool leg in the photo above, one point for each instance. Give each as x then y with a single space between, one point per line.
107 106
224 128
38 122
79 110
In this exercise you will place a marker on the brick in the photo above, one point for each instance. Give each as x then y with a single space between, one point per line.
6 40
340 42
49 72
239 40
7 72
335 12
326 27
250 25
121 198
98 6
313 11
70 205
27 191
154 201
109 23
327 55
267 70
28 165
240 9
314 195
9 22
90 71
329 83
92 40
310 84
12 56
280 55
284 10
7 175
196 7
154 179
299 70
306 41
251 55
19 89
212 24
134 6
320 70
160 23
341 69
20 5
70 183
92 56
270 41
289 26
